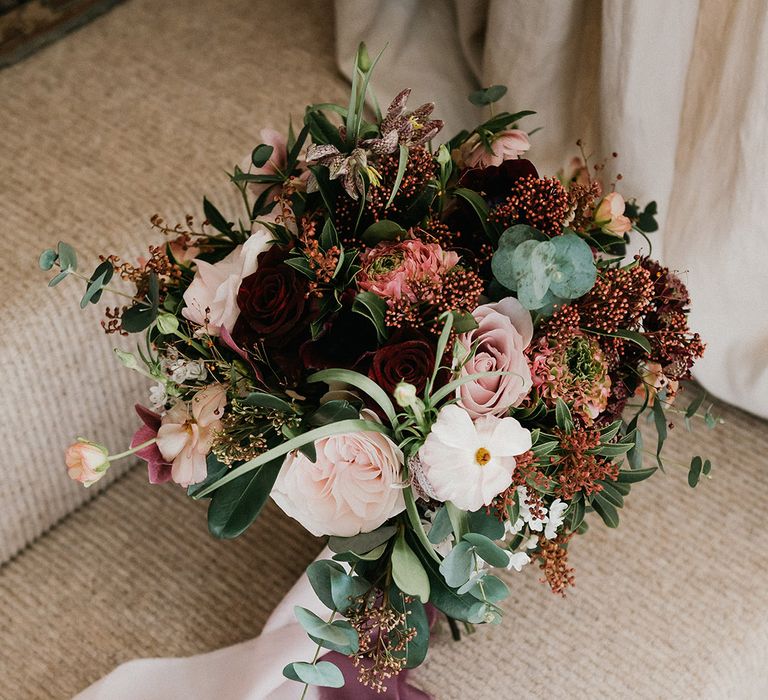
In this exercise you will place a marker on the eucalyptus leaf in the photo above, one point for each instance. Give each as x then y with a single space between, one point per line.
261 154
457 567
322 673
67 256
408 572
364 542
487 550
47 259
319 576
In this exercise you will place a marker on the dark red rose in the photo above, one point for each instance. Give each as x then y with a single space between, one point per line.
496 181
403 359
273 301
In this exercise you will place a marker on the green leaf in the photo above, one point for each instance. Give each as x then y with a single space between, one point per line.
216 470
606 510
563 416
364 542
610 431
374 308
490 588
262 400
98 280
261 154
319 575
487 550
457 567
614 449
58 278
321 629
694 474
215 218
402 162
345 588
484 523
633 336
480 208
237 503
695 405
408 572
611 494
322 130
577 512
488 95
660 420
138 318
374 555
322 673
333 411
575 271
47 259
67 257
383 230
348 648
417 526
360 381
463 321
707 467
416 618
503 120
634 475
441 526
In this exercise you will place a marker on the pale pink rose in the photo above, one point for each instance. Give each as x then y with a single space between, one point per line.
390 269
504 331
609 215
469 463
187 431
86 461
354 486
506 145
211 298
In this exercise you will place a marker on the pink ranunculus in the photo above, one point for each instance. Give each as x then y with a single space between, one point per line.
609 215
353 486
504 331
187 431
211 298
506 145
158 468
86 461
390 269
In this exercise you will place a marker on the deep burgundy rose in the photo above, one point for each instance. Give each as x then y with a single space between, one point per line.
495 182
273 302
410 359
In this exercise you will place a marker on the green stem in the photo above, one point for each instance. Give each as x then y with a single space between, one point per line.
133 450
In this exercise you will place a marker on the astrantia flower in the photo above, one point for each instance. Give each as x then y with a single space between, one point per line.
469 463
575 371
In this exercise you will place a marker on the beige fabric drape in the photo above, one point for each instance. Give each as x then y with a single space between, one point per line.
678 89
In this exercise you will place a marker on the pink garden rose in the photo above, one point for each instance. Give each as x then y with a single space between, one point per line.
504 331
186 434
609 215
211 298
354 486
86 461
506 145
390 269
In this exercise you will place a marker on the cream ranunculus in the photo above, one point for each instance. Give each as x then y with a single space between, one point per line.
211 298
504 331
469 463
353 486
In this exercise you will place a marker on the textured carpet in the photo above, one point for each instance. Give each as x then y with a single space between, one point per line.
673 604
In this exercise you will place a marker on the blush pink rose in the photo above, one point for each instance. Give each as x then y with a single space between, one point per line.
504 331
609 215
211 298
506 145
353 486
187 431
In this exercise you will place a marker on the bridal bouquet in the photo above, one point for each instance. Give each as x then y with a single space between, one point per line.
437 357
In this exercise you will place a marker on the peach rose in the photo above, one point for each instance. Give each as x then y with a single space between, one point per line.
504 331
86 461
211 298
186 434
609 215
352 487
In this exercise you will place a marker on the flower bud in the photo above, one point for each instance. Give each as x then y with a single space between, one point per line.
167 324
405 394
127 358
86 461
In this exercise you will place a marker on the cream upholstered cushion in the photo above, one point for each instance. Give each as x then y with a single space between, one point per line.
140 112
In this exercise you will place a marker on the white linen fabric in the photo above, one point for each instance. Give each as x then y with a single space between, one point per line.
677 89
252 670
